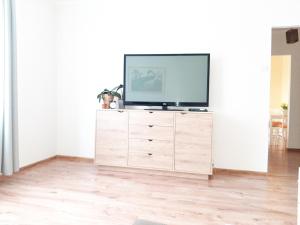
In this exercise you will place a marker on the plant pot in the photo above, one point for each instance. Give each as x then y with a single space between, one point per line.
106 100
105 106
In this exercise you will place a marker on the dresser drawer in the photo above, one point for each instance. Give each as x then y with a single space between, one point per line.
154 154
151 117
151 132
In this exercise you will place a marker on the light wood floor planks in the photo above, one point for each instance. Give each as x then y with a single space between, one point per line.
71 192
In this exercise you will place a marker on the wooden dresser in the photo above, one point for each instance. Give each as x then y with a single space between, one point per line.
175 142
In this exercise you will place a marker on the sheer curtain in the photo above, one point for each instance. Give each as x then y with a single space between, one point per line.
9 157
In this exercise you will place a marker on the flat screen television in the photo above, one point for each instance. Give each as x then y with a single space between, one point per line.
166 79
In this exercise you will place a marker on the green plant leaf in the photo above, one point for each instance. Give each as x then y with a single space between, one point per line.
114 93
284 106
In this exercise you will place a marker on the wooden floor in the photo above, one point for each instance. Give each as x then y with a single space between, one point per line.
66 192
283 163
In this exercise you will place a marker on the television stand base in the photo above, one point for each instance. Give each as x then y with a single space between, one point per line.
164 109
164 106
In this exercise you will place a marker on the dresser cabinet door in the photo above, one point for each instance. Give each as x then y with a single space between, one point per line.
193 143
112 138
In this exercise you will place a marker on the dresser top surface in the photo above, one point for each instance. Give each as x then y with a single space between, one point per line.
155 110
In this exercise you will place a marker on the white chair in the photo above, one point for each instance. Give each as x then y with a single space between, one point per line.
278 130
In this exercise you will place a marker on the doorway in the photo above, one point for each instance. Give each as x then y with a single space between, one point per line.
279 101
284 106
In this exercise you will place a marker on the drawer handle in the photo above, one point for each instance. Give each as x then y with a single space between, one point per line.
183 113
150 112
120 111
150 139
149 154
150 125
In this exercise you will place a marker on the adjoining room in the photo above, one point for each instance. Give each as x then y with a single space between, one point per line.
284 157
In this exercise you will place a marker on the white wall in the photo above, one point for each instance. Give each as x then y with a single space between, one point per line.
77 85
280 47
280 81
37 88
93 35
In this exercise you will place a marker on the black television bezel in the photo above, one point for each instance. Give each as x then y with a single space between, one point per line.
180 104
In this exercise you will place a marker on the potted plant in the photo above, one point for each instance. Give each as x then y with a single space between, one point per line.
284 108
109 95
115 92
106 96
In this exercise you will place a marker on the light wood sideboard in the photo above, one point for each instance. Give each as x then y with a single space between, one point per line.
175 142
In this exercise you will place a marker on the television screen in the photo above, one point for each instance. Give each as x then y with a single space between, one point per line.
175 79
